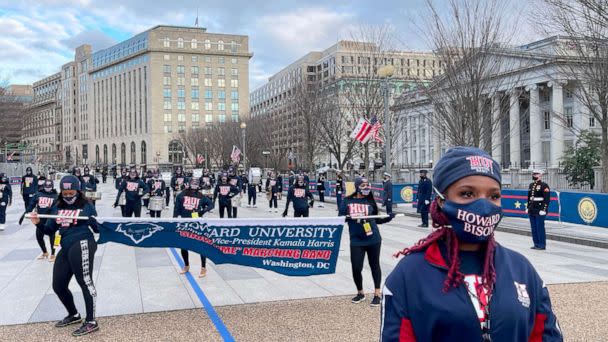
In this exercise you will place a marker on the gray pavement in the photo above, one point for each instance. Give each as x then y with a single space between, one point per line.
134 280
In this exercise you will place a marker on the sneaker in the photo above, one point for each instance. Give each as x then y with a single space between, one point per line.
269 210
86 328
423 225
203 272
276 210
68 321
43 256
376 301
255 206
248 205
358 298
1 227
185 270
52 258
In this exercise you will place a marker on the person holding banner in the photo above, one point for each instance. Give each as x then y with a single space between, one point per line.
272 190
29 186
364 236
42 203
134 188
191 203
157 188
6 198
117 185
77 253
458 284
298 194
224 192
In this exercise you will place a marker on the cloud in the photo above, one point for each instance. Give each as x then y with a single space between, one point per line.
97 39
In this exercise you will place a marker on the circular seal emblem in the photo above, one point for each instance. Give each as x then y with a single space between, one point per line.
407 194
587 210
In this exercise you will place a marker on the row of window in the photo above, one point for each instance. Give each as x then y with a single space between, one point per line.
181 105
206 59
181 126
207 43
194 92
120 67
207 82
194 70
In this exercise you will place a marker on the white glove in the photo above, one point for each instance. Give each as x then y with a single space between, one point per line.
426 202
526 210
542 213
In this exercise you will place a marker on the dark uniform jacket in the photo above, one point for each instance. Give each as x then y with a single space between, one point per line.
539 196
387 187
189 201
425 192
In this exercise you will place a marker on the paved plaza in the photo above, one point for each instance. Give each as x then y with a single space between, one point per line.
135 280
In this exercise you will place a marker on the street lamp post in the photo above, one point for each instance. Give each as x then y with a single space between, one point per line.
243 127
206 152
385 73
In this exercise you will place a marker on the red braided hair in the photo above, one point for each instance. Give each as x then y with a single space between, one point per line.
445 233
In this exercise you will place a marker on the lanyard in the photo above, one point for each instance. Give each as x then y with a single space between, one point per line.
485 326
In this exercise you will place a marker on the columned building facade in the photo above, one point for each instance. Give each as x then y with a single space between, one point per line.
536 114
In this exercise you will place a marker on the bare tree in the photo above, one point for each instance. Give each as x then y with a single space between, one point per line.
584 58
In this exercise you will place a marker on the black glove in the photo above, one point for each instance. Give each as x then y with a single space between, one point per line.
21 218
285 213
115 205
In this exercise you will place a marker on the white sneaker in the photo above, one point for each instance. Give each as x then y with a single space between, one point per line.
255 206
276 210
269 210
248 205
2 226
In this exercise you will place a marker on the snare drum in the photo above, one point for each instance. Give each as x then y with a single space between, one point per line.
122 200
236 201
93 195
156 203
146 196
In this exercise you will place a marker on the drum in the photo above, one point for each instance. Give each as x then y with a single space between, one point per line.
156 203
236 201
207 192
145 196
93 195
122 200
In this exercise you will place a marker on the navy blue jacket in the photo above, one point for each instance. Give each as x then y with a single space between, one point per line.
72 231
132 189
225 192
415 308
29 185
236 181
89 183
156 187
43 202
178 182
387 187
361 207
188 202
118 181
6 193
425 192
274 189
298 195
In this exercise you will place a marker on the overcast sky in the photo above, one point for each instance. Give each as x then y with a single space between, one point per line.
37 37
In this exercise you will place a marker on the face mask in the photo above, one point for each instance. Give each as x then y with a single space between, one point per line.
49 189
70 199
473 222
534 177
301 183
132 175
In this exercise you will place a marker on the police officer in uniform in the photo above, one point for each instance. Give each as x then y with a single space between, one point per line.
539 196
425 191
387 197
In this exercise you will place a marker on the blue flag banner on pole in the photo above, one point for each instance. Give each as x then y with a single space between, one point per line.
294 247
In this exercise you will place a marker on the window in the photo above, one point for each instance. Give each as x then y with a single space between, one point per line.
221 106
221 94
181 81
221 82
168 128
220 60
208 94
195 59
167 80
194 105
166 42
221 118
194 70
208 118
180 43
220 45
193 44
235 106
180 69
207 59
233 46
208 106
166 57
221 71
194 93
194 81
233 60
234 94
568 114
180 58
208 82
568 93
208 71
168 117
547 120
195 117
167 69
592 121
181 105
167 92
167 104
234 72
181 117
181 92
207 44
234 83
235 118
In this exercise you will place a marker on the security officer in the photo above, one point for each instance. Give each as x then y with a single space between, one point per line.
425 191
539 196
387 197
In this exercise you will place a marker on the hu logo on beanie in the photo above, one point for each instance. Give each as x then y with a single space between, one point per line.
480 164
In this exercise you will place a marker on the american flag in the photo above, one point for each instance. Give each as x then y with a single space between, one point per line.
236 154
375 131
200 159
362 131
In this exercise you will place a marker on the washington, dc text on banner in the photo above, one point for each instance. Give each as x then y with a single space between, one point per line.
295 246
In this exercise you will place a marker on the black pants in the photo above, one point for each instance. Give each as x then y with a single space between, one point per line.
3 213
187 259
389 207
155 213
322 195
227 207
251 195
26 200
146 201
40 238
234 211
357 255
76 260
300 212
167 196
123 210
273 201
133 208
424 215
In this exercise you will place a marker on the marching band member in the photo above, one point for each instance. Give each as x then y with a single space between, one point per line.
299 193
117 184
29 186
147 178
321 190
134 189
157 187
235 180
224 192
42 203
89 183
6 198
41 179
191 203
272 189
178 182
252 193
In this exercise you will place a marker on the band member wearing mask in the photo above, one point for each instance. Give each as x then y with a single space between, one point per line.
207 185
41 179
76 256
117 185
244 182
224 192
178 181
104 175
235 180
539 197
425 193
29 186
146 179
272 189
190 203
42 203
6 198
134 189
364 236
280 186
157 188
301 197
339 189
252 193
458 283
89 183
321 190
387 194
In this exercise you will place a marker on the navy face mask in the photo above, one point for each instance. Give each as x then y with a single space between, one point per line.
473 222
